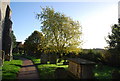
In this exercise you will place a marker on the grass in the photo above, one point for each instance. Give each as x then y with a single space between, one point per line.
104 71
10 69
46 71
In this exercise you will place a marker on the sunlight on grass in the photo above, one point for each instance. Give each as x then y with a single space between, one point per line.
36 61
47 70
10 69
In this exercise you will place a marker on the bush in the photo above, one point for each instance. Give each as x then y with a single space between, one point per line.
91 55
111 58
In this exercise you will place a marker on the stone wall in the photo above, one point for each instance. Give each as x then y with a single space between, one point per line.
0 33
0 42
3 10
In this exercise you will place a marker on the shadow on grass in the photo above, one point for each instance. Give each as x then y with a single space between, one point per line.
17 65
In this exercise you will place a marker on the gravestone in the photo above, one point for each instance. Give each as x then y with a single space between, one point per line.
1 61
53 58
3 56
60 73
44 58
81 68
65 60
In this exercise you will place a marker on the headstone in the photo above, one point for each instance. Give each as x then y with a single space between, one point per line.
53 58
59 57
3 56
7 57
0 61
60 73
44 58
65 61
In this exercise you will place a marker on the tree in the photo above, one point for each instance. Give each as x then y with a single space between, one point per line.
6 36
114 44
34 43
114 38
60 31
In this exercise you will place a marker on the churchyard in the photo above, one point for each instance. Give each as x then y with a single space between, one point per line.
55 51
47 71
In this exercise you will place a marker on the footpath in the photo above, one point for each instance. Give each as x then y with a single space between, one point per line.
28 70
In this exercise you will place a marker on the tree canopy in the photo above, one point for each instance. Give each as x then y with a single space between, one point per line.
114 44
114 38
61 32
34 43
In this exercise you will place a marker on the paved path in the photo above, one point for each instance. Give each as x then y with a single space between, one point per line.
28 70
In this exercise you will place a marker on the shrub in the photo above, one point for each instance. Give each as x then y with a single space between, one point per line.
91 55
111 58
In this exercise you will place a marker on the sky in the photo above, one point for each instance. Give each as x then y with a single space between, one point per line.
96 19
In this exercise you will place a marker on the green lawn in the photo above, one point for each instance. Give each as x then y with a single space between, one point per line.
104 71
10 69
46 71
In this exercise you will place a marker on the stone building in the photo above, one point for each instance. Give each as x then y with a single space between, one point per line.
5 30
